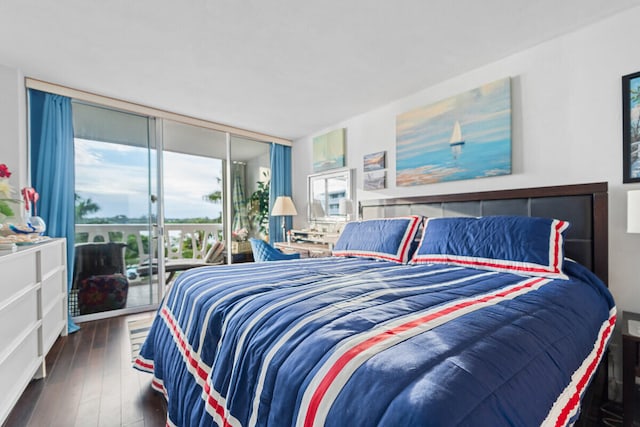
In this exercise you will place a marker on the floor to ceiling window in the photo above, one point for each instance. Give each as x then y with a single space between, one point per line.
203 197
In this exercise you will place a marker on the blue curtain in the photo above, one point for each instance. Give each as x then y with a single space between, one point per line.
52 169
280 186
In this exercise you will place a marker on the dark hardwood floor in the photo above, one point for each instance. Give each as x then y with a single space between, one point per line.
90 382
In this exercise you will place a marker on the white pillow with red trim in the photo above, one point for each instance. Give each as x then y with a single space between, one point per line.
514 244
388 239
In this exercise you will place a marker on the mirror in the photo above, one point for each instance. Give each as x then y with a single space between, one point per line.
330 196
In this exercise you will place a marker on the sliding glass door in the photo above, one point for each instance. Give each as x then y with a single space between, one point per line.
194 160
216 196
116 193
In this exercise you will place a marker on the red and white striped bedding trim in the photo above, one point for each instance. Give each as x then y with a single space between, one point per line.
567 404
215 404
222 299
553 269
237 277
494 264
340 283
294 328
158 385
143 364
355 351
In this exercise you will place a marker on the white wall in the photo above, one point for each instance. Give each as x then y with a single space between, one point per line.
13 127
566 109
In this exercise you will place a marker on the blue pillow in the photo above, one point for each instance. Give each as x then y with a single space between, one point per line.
514 244
387 239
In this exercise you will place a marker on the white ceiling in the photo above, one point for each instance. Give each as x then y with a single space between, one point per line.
284 67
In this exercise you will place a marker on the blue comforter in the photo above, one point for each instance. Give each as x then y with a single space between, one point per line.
348 341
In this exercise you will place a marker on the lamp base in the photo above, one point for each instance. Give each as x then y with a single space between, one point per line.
284 231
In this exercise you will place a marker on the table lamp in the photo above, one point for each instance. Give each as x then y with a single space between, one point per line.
633 211
284 207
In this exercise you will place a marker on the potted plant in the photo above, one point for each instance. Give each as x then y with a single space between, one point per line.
259 208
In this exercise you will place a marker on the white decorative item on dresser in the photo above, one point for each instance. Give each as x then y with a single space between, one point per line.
315 236
33 313
306 250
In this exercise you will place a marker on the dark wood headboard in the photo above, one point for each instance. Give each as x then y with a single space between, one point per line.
585 206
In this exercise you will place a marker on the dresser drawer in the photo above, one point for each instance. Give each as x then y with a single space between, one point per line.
51 257
53 286
53 321
17 370
17 274
17 317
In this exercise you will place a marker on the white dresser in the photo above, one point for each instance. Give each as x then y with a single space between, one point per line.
33 313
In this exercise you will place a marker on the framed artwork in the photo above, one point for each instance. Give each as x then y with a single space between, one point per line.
374 161
463 137
376 180
328 151
631 128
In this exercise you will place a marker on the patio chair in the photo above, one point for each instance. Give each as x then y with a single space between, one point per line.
214 256
100 277
262 252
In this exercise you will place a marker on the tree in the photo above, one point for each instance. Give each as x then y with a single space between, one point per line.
84 207
216 196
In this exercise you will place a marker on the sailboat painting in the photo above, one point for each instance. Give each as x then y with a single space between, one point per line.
467 136
456 142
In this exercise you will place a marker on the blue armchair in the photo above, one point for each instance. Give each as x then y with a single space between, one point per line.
262 252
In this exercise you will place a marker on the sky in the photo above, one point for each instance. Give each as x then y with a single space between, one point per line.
115 177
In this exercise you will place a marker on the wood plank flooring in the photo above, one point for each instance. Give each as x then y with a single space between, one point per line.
90 382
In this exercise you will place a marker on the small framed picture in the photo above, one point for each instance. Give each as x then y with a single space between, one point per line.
374 161
375 180
631 128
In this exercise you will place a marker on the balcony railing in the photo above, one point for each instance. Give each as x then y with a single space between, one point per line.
181 240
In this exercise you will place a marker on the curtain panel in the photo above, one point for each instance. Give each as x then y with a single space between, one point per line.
52 169
280 186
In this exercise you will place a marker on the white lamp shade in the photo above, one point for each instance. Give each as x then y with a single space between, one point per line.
633 211
284 207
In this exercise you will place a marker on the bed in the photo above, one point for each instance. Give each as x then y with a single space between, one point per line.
424 326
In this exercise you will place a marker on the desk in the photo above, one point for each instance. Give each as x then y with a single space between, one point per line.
306 250
630 368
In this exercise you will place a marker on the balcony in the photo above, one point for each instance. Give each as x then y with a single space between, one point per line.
198 238
182 242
